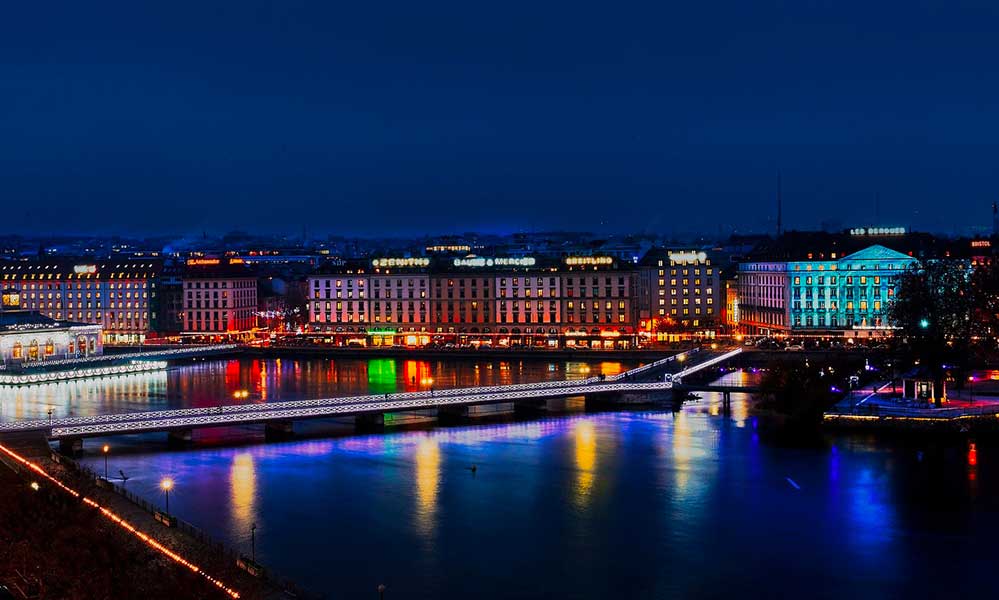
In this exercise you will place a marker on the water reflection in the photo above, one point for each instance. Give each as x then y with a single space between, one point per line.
585 437
427 465
243 483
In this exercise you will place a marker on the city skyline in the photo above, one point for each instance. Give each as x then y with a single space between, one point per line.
388 120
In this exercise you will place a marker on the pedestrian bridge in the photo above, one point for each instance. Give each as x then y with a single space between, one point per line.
656 380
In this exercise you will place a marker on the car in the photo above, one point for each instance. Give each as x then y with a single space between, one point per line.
795 348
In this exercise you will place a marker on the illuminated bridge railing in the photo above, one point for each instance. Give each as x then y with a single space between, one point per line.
151 355
653 365
704 365
282 412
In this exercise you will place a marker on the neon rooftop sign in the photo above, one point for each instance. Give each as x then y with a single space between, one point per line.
480 261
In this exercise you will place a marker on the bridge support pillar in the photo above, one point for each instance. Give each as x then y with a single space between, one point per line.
277 431
71 446
452 414
369 422
410 417
179 437
532 407
491 410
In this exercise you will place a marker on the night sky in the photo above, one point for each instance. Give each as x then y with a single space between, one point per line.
373 118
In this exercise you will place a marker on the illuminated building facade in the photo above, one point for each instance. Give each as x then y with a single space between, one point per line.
220 299
823 296
118 295
462 302
27 336
474 301
763 292
679 294
338 300
731 303
598 302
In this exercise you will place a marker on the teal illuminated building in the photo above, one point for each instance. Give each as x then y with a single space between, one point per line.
827 295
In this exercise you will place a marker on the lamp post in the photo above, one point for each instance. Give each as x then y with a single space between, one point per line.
381 591
971 380
253 542
50 417
166 485
106 449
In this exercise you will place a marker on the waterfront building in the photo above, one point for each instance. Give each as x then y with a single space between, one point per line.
338 302
732 313
27 336
121 296
473 301
220 299
762 297
823 295
597 302
678 294
462 303
400 299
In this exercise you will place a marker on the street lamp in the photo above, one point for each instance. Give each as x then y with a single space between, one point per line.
166 485
106 449
971 380
253 542
381 591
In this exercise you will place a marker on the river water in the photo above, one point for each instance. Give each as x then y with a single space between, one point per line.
649 504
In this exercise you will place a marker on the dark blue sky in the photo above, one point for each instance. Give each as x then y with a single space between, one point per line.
415 117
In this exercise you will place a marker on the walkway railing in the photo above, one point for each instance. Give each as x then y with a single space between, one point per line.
704 365
631 374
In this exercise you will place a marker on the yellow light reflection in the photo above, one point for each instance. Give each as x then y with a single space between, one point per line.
682 451
243 490
586 459
611 368
428 460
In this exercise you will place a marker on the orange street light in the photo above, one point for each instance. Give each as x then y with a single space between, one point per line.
166 485
106 449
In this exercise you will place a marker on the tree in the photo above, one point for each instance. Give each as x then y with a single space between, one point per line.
936 309
798 394
985 292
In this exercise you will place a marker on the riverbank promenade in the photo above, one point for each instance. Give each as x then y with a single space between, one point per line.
880 404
